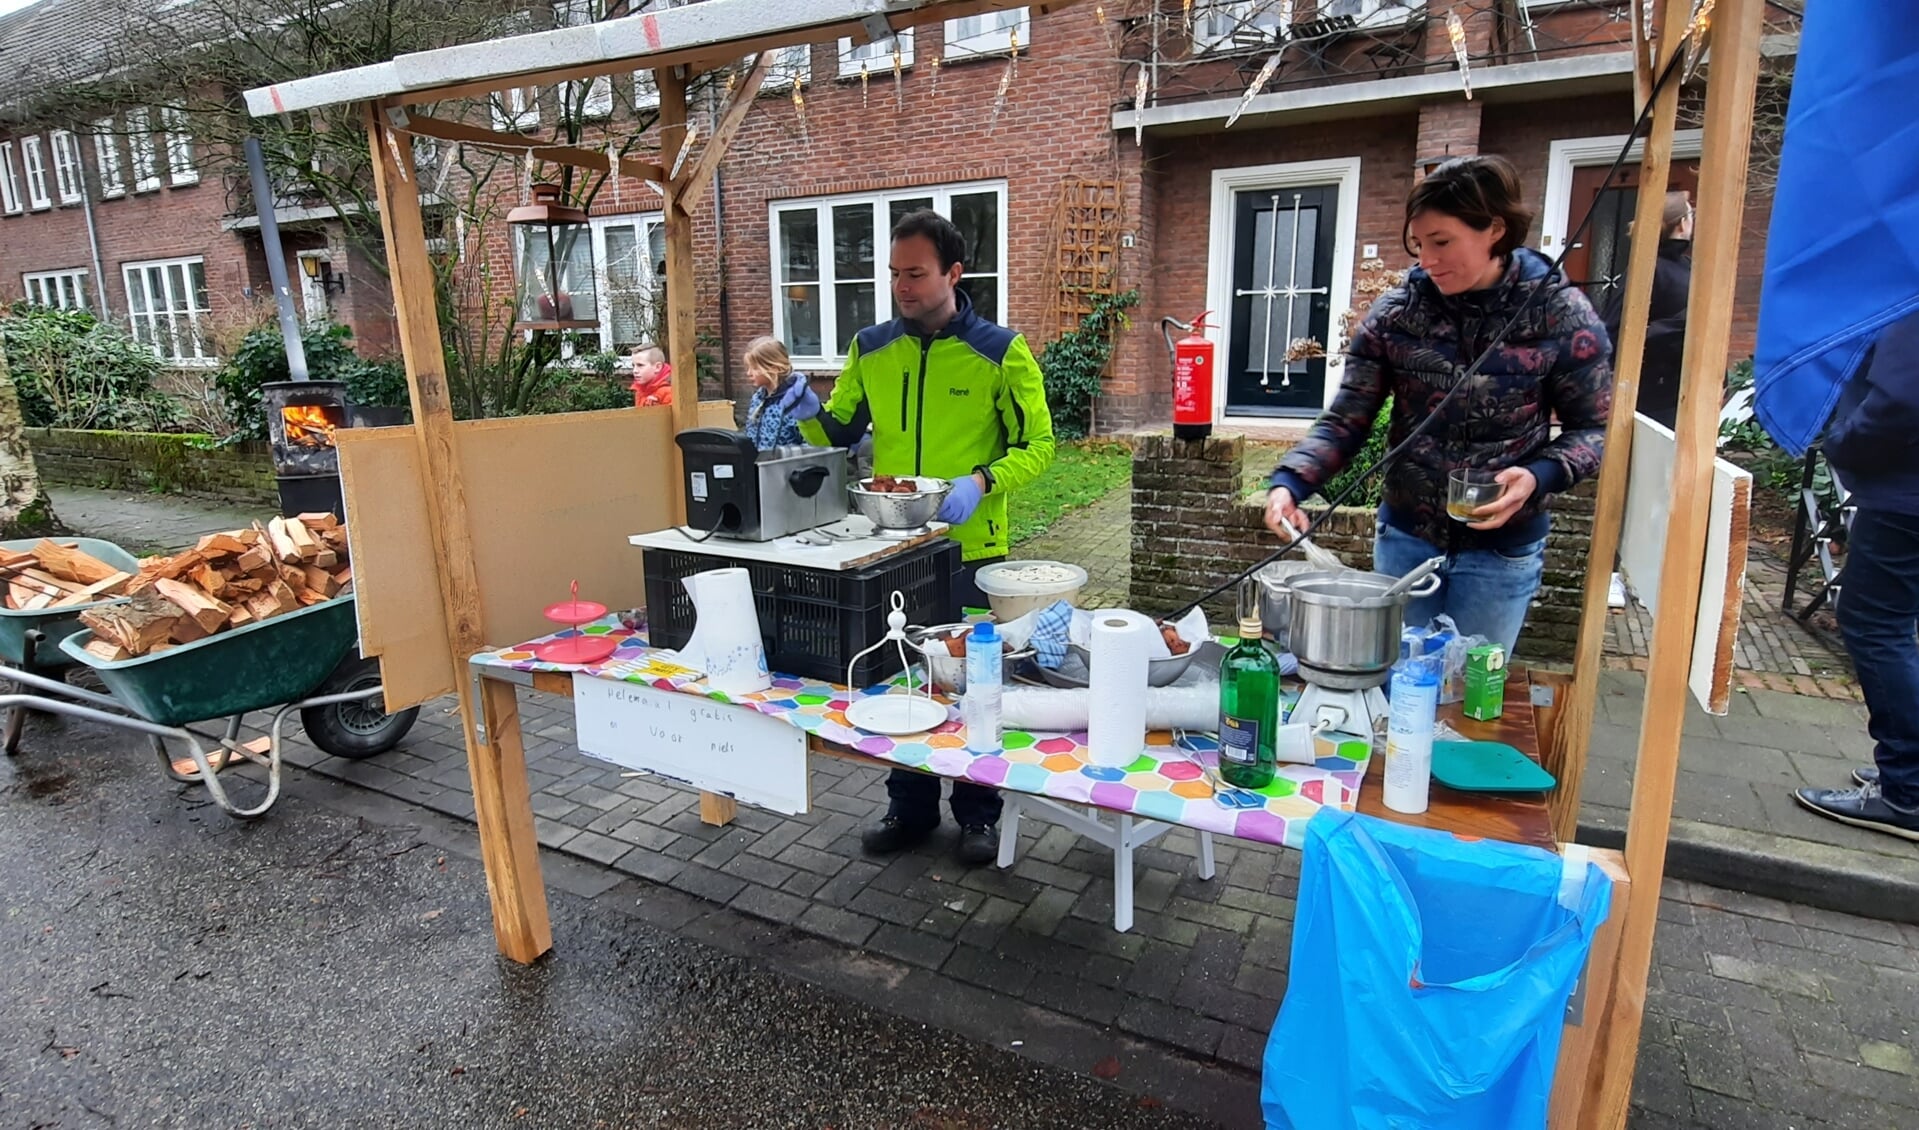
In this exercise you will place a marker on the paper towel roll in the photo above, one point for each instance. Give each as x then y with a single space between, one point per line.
726 632
1116 732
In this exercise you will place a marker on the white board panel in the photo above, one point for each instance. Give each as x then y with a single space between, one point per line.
710 745
1642 549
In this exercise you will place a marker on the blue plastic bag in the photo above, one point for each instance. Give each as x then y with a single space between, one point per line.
1429 980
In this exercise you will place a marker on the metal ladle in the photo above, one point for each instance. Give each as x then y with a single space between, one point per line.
1419 573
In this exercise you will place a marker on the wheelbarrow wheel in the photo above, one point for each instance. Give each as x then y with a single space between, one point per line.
355 730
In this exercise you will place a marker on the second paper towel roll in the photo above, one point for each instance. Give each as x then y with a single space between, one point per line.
726 640
1118 647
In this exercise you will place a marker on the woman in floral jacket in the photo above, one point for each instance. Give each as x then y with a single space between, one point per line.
1466 222
775 387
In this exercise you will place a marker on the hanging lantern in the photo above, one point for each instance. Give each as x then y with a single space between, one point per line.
552 264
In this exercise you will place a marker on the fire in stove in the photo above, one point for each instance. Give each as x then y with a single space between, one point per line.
311 425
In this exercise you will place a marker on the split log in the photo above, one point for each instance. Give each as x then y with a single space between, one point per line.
327 559
71 564
188 630
241 617
308 597
284 547
318 521
304 543
255 560
209 612
136 625
283 595
221 545
99 591
321 581
102 648
210 580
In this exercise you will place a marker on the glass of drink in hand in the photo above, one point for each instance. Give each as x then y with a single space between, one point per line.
1468 489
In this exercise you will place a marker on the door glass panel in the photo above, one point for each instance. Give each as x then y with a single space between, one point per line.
976 214
984 291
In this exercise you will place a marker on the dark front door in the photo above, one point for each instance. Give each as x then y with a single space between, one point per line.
1596 262
1282 295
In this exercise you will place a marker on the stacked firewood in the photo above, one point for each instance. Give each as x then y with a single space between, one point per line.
226 581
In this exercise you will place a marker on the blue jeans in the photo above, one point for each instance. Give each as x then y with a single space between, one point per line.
1485 591
1879 621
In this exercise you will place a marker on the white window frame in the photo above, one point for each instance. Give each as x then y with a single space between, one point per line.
61 290
140 147
1209 36
35 161
644 222
971 36
877 54
942 196
181 168
515 110
66 166
1569 154
10 202
184 317
1340 171
1383 13
106 154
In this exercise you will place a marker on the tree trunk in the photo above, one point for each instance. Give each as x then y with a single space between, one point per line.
25 510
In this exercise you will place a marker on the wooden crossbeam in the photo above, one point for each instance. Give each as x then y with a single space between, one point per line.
406 121
701 175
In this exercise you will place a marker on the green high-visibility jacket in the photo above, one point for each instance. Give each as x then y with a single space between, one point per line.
971 396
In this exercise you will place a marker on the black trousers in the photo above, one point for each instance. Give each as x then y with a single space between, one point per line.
915 797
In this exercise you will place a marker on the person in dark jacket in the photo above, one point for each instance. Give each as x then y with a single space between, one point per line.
1467 222
1873 446
1666 316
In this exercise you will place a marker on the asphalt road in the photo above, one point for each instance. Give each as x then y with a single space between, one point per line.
163 965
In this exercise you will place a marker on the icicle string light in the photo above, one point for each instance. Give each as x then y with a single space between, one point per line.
686 147
613 168
899 83
1139 106
799 108
866 77
1253 88
1456 31
999 96
936 75
1696 36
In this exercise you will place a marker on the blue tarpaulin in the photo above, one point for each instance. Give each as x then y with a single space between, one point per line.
1842 259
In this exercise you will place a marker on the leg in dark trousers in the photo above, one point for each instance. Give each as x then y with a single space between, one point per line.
915 798
1878 617
974 805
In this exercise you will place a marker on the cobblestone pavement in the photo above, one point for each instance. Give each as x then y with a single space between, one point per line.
1099 538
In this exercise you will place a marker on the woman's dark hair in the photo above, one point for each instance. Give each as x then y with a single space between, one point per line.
944 235
1475 191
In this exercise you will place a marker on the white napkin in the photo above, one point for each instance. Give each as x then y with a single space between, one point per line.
1191 627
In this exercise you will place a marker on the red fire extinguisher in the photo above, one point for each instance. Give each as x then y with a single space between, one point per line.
1192 377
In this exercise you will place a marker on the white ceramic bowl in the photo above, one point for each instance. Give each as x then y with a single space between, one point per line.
1014 588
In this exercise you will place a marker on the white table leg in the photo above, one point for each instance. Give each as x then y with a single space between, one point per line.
1123 875
1205 855
1008 829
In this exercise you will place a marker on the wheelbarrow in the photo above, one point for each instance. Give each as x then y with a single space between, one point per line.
30 639
307 661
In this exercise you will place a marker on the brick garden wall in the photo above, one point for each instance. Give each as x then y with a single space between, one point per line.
146 461
1193 528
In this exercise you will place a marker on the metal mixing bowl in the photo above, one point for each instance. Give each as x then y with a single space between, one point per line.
900 511
1162 671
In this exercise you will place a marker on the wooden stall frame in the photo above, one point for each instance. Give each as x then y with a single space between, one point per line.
509 846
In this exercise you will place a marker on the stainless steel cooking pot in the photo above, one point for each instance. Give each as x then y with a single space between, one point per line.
1344 629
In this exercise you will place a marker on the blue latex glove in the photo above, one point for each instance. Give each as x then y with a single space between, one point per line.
961 501
800 402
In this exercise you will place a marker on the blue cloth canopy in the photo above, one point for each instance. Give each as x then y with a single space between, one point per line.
1842 259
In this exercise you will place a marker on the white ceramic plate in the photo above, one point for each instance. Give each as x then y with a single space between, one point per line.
896 715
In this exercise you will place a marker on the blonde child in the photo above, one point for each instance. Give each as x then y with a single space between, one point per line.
775 387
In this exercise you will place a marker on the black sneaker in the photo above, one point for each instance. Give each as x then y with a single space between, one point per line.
895 835
1862 807
978 843
1869 775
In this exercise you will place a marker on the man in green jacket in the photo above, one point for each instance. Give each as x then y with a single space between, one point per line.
953 396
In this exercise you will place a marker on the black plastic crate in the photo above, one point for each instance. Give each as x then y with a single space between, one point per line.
813 620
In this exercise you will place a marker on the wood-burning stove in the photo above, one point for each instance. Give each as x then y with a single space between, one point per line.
301 419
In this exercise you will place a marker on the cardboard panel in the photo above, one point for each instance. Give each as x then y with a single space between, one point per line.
1642 547
551 500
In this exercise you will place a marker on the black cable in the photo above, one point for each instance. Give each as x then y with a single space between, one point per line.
1399 449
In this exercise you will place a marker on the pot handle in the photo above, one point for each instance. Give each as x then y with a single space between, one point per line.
1426 587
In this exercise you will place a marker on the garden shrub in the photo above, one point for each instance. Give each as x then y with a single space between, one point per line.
74 371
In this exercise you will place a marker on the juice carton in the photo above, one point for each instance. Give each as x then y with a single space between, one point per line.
1485 683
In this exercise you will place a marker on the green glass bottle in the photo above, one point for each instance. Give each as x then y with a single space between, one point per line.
1248 707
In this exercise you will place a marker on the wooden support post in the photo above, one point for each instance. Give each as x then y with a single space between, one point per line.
501 804
1565 758
681 302
1715 269
693 182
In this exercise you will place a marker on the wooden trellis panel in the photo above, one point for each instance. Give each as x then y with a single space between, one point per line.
1088 220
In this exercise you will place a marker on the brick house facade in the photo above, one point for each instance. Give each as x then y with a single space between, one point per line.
791 237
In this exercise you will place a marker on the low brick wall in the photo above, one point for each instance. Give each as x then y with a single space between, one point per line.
169 464
1192 530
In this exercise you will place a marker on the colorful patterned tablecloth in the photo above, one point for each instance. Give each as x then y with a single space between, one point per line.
1164 783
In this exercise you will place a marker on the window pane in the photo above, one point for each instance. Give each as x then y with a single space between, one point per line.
853 242
853 310
976 214
198 271
799 246
136 293
899 208
984 291
802 320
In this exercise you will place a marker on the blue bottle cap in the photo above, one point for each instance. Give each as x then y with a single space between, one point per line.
985 633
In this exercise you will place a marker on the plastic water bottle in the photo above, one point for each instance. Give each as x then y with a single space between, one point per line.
1409 733
979 708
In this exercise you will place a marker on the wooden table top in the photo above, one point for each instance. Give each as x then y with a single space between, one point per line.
1520 818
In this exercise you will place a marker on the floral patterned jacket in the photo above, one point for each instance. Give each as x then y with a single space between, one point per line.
1555 362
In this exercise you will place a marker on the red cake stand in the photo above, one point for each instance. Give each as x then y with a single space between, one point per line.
577 648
